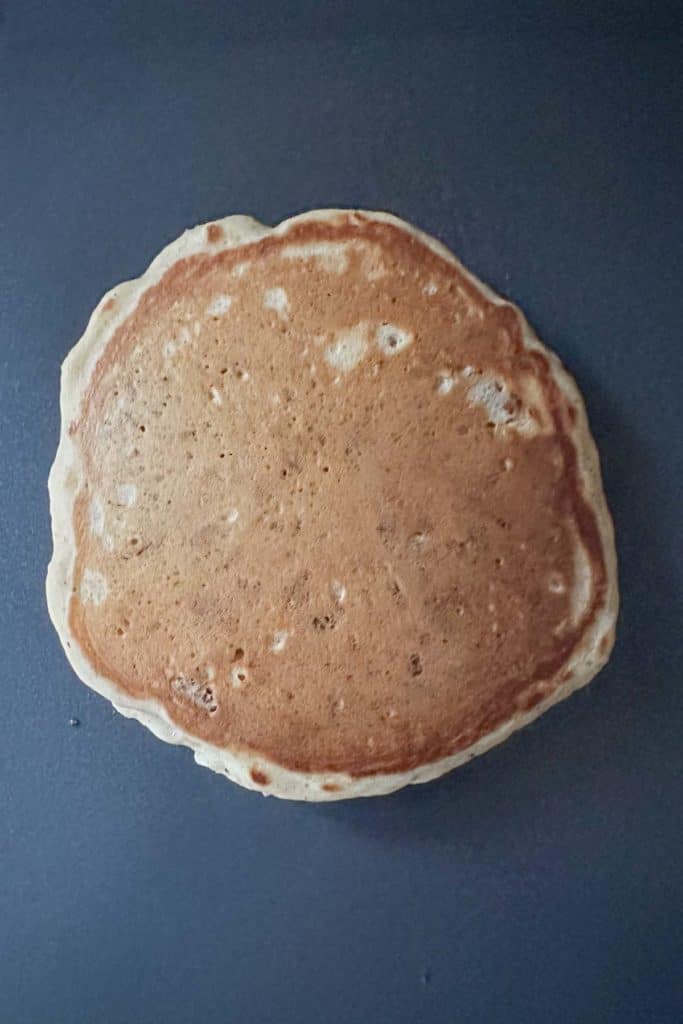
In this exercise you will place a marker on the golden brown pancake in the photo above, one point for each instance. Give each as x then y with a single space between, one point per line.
325 509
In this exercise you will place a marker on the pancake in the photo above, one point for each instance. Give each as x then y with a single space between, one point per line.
324 508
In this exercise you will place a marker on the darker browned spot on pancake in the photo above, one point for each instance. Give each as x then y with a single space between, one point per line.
259 777
331 787
214 232
415 665
415 641
109 305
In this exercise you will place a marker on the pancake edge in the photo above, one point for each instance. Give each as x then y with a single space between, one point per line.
66 477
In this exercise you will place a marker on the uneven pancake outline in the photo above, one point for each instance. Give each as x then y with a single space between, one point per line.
324 508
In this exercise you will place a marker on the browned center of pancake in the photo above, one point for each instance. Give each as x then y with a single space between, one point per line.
332 512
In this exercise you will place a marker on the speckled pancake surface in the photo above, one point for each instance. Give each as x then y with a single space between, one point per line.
324 508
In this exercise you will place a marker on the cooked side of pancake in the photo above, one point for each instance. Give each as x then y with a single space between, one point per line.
324 508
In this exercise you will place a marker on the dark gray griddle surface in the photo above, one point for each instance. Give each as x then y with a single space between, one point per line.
542 142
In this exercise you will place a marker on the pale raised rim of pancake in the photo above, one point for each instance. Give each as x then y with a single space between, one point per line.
66 478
